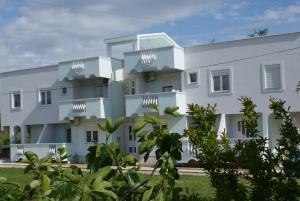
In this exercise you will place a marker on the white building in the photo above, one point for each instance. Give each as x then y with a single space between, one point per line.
60 105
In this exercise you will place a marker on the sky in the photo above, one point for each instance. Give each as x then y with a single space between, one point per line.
35 33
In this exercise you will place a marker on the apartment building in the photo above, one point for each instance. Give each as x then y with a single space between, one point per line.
60 105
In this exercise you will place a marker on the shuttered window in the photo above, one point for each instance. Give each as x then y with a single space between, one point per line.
272 76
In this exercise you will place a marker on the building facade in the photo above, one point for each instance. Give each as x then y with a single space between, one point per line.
60 105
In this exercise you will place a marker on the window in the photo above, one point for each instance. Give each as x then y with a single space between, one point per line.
64 91
167 88
132 87
16 100
69 135
192 77
131 136
242 127
45 97
132 149
92 136
220 81
272 76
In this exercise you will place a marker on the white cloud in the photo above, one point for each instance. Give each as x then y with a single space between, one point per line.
45 32
285 14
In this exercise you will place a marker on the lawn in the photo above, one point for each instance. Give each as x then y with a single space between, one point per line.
192 184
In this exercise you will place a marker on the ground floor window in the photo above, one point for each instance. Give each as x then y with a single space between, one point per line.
241 127
132 149
69 135
92 136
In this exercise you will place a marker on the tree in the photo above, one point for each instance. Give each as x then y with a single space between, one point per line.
259 32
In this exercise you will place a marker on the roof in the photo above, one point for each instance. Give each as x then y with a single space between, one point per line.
245 39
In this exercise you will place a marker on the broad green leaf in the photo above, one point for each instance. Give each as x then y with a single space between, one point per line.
34 184
133 178
139 124
46 183
118 123
147 194
108 125
101 127
172 111
160 196
151 119
153 107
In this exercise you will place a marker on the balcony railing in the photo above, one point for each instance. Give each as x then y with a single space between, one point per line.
85 68
139 104
154 59
42 150
91 107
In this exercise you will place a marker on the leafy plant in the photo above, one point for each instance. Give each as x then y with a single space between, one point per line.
287 155
215 155
255 156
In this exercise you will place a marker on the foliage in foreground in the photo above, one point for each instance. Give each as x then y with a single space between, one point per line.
53 182
262 167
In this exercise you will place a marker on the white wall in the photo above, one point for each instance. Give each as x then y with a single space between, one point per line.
247 80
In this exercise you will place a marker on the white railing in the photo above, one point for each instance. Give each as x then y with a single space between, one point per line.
79 106
42 149
148 56
78 66
148 100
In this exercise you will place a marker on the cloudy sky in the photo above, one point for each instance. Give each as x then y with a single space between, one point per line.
43 32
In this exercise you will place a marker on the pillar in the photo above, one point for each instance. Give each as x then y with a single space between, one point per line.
23 134
12 135
222 125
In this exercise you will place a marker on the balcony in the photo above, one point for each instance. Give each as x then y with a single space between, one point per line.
88 108
17 151
164 58
139 104
85 68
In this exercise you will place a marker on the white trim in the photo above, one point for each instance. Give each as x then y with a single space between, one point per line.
219 71
263 76
17 91
46 89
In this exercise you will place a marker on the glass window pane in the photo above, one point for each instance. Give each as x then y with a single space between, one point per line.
225 82
64 90
95 136
193 77
216 83
43 97
48 97
272 76
89 136
69 135
17 100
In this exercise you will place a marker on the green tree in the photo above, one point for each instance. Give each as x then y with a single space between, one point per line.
259 32
214 154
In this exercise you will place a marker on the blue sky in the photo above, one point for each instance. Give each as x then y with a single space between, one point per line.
42 32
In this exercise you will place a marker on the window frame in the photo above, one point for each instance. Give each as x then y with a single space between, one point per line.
188 78
220 72
91 132
263 76
44 90
62 89
12 98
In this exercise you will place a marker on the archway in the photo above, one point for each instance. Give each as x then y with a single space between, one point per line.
17 134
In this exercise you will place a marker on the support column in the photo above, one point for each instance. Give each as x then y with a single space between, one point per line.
265 126
222 125
23 134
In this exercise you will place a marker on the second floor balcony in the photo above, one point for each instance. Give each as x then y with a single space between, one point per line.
85 68
139 104
88 108
163 58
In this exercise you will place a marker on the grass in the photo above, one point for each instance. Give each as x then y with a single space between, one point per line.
191 184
